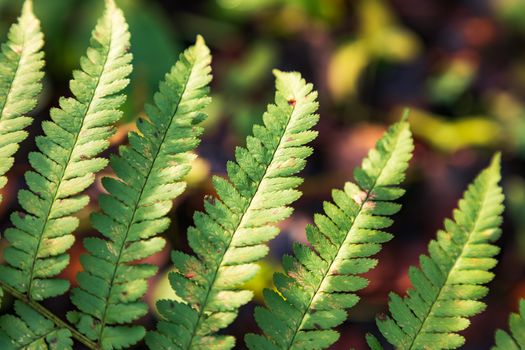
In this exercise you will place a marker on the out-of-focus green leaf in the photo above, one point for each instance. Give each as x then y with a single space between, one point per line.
383 36
380 36
244 86
246 6
452 81
345 67
154 49
511 11
264 278
253 67
511 115
450 136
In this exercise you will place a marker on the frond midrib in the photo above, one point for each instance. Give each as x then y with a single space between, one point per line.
298 327
241 219
46 221
103 321
431 308
38 338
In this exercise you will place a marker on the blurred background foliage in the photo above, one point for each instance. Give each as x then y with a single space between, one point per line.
458 64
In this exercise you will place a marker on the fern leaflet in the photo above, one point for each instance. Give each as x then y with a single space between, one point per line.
66 163
515 340
21 64
150 173
449 283
30 330
230 236
320 283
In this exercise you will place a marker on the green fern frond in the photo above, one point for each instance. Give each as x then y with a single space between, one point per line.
21 64
449 283
320 283
30 330
515 340
150 173
231 235
66 163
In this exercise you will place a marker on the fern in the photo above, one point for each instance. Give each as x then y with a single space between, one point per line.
66 164
515 340
150 175
449 283
21 63
319 283
231 235
30 330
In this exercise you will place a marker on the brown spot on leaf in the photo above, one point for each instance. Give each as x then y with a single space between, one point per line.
190 275
292 102
369 205
360 197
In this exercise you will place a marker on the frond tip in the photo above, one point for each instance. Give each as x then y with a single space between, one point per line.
231 235
449 282
134 212
21 64
319 284
515 340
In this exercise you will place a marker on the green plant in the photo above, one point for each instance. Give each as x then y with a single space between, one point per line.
21 63
449 283
320 283
231 234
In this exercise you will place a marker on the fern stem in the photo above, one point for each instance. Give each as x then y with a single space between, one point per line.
67 163
327 272
364 202
49 315
132 221
438 297
203 307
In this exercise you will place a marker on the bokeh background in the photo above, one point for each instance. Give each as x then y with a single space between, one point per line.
458 64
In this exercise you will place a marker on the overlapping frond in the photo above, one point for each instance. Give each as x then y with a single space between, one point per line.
30 330
449 283
21 63
231 235
66 163
150 175
320 283
515 340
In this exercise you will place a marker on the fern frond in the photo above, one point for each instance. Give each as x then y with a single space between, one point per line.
515 340
21 64
449 283
150 172
320 283
231 235
66 163
30 330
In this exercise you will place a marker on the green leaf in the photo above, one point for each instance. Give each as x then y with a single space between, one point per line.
21 64
515 340
66 163
150 175
30 330
373 342
319 283
449 283
231 235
